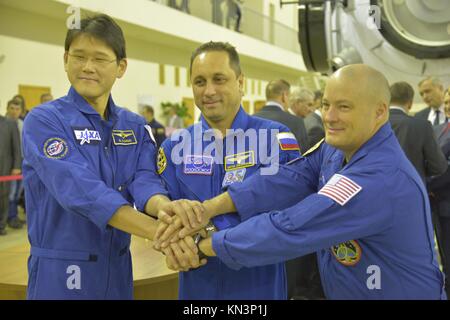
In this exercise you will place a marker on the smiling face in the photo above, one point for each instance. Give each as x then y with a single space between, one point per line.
351 115
216 87
92 67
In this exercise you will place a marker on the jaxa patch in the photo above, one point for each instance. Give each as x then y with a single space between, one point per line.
123 137
86 135
162 161
287 141
198 165
55 148
347 253
233 176
240 160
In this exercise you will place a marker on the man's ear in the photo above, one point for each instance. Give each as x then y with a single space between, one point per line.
241 80
66 56
123 64
382 111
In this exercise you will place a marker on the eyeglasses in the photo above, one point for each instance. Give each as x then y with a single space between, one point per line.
98 62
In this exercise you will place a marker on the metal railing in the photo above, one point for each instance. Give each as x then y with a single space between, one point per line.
252 23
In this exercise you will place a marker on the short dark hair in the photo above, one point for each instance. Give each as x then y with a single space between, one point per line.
401 93
20 99
102 27
233 56
275 88
148 109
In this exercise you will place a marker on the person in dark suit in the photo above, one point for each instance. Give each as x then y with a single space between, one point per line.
415 135
10 163
440 195
158 130
277 95
313 121
303 278
432 92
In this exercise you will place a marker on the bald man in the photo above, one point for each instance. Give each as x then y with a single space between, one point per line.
355 199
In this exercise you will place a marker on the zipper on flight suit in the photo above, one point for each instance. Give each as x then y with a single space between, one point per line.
107 149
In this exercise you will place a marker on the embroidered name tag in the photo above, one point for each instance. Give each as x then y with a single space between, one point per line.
240 160
198 165
86 135
123 137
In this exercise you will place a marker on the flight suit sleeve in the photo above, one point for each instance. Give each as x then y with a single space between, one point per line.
293 182
317 222
167 171
49 150
146 182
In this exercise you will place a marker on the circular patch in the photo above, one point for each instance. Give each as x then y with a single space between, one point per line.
162 160
347 253
55 148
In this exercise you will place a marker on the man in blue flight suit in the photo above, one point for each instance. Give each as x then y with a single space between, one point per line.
355 199
87 162
225 147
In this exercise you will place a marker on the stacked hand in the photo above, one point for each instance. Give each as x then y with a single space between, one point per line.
178 220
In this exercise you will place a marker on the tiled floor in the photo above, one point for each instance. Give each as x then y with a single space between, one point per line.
14 237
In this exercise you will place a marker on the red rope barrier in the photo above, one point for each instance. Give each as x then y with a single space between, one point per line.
10 178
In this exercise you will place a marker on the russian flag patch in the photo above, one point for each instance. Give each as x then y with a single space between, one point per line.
287 141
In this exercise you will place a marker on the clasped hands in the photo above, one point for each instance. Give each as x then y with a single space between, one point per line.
178 221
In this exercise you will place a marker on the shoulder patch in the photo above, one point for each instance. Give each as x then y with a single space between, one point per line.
314 148
162 161
55 148
340 189
287 141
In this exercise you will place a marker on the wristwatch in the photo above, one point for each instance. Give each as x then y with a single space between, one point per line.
209 229
201 255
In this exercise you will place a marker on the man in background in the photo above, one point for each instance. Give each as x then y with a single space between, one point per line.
277 96
415 135
432 92
13 112
301 102
46 97
10 162
158 130
439 188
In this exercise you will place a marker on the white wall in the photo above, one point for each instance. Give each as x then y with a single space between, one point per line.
32 37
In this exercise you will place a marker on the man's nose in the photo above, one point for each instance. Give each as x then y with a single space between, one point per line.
210 89
88 66
330 115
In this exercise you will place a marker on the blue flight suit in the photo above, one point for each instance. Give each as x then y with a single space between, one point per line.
374 240
209 178
78 170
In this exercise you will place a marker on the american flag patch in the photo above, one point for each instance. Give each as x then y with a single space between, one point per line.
287 141
340 189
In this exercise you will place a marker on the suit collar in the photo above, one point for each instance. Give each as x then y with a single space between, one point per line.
397 110
274 104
